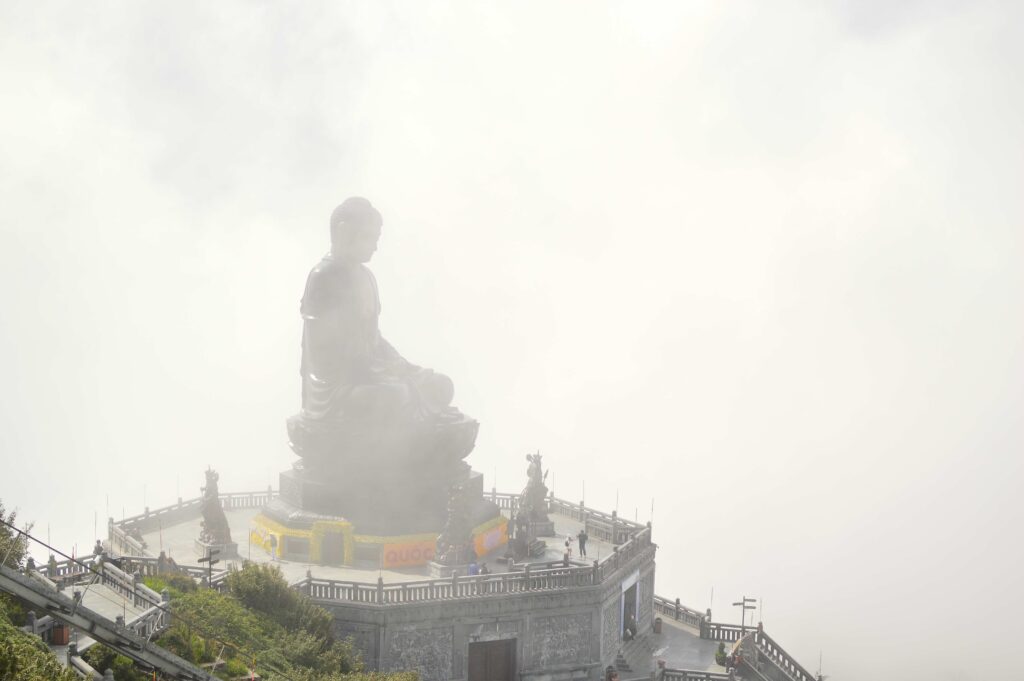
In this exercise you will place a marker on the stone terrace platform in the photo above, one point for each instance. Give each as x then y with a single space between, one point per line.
178 542
548 621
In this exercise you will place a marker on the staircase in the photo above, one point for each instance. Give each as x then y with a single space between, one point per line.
634 659
112 633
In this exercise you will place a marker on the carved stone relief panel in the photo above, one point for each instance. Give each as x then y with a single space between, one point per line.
610 628
363 636
644 617
559 639
427 651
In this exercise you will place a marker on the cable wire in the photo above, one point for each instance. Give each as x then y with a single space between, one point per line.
146 599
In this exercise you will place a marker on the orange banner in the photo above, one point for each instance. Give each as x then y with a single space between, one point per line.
408 554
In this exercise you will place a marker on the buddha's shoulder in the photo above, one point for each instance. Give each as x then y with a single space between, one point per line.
332 272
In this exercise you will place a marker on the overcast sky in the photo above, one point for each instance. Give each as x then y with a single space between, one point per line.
758 262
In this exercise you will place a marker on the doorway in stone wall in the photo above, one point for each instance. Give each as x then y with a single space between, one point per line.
492 660
629 602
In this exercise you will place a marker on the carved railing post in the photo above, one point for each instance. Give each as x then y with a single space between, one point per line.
380 590
136 580
165 606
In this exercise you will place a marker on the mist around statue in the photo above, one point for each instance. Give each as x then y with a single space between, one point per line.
750 273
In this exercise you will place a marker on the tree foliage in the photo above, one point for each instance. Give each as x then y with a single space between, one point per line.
24 657
13 545
263 623
102 658
263 588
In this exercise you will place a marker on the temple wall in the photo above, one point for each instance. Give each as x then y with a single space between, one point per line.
567 634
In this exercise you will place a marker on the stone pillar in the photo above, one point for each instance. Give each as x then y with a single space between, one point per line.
165 605
136 580
108 675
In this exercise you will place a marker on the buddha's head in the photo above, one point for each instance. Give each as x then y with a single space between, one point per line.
355 230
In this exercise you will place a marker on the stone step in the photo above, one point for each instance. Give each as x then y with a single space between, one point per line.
638 653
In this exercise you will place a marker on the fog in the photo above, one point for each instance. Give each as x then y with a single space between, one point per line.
755 269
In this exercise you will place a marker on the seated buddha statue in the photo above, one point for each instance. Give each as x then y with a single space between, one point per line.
357 390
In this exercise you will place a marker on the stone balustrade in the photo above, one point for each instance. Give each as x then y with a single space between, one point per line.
783 660
39 626
608 527
152 621
730 633
149 566
63 570
691 675
148 520
526 579
678 612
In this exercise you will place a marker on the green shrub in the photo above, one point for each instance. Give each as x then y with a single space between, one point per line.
24 657
176 584
102 658
262 618
263 588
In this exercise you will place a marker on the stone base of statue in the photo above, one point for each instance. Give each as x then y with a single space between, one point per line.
227 550
373 487
542 528
386 478
523 549
441 571
385 503
393 522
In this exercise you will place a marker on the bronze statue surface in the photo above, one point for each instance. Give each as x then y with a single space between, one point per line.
215 529
376 433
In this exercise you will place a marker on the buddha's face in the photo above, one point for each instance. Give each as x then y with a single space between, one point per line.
358 243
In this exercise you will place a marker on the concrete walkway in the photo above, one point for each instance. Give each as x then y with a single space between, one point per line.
103 601
682 648
179 542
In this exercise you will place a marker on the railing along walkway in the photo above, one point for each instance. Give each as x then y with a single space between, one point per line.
124 639
529 580
730 633
630 539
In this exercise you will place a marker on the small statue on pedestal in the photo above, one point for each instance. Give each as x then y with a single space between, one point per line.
215 532
533 500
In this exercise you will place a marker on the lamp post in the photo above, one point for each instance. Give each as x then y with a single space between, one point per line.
745 604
